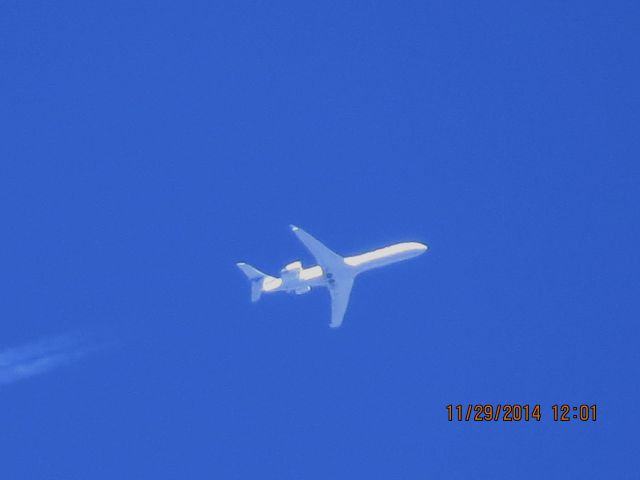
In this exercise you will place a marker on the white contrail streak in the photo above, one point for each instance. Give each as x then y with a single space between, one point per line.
39 357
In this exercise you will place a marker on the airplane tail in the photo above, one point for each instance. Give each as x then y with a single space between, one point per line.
256 277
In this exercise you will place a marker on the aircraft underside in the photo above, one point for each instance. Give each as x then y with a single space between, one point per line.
333 272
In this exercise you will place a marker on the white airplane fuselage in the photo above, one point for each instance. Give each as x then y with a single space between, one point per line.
297 279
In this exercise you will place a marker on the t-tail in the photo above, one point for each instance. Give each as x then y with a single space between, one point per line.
256 277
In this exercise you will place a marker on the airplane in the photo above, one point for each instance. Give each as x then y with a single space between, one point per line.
333 271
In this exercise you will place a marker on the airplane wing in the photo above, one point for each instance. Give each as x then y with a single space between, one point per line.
340 291
329 260
339 280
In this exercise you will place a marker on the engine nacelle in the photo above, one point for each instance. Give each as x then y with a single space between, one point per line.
293 267
290 272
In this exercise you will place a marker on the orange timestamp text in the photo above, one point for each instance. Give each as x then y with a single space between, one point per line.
515 412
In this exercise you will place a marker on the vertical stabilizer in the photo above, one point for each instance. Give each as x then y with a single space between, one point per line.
256 277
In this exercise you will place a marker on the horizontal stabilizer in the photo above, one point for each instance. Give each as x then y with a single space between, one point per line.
256 277
251 272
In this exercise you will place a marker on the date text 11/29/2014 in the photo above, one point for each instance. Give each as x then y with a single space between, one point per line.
514 412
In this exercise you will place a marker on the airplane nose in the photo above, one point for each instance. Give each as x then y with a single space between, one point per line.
419 247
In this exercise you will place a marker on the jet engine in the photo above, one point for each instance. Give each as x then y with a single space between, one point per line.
293 266
291 271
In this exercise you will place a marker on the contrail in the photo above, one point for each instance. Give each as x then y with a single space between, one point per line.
41 356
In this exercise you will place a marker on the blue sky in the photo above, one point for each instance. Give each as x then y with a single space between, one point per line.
148 146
